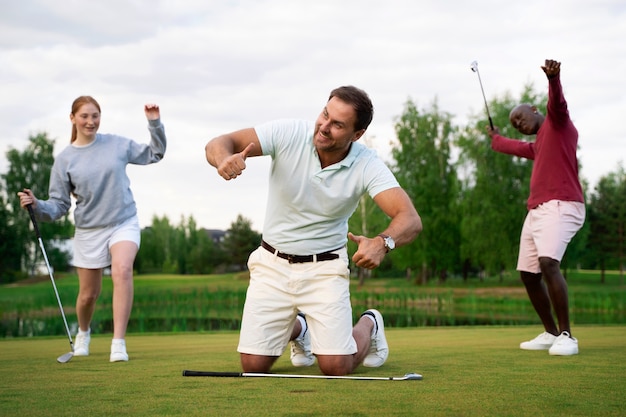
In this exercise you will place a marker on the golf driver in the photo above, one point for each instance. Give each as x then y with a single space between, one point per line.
474 66
69 355
408 377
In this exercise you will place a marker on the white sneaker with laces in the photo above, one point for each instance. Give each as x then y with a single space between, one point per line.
301 347
81 344
542 342
118 352
379 350
564 345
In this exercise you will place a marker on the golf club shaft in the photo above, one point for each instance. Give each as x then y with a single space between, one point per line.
484 98
45 257
257 375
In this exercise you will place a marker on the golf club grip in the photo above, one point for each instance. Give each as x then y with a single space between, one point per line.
205 373
33 220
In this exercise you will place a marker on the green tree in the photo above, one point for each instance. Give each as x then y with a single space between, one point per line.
495 188
200 253
607 217
31 169
156 253
424 169
10 253
181 245
183 249
240 241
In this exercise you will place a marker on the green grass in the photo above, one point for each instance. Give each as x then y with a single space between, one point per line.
473 370
468 371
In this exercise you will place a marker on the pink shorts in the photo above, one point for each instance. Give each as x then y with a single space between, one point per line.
278 290
547 231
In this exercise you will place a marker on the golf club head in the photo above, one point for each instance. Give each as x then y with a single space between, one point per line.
413 376
474 66
65 357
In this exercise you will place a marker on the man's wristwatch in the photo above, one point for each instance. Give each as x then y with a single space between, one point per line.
390 244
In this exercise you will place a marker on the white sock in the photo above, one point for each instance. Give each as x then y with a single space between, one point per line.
303 325
120 341
369 316
84 333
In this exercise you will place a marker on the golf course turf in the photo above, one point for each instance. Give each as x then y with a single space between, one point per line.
467 371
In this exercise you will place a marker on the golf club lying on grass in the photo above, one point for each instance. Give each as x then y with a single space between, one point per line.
69 355
410 376
475 69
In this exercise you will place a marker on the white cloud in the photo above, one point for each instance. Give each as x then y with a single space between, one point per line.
219 66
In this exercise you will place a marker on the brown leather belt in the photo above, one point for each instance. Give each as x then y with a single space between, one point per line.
300 259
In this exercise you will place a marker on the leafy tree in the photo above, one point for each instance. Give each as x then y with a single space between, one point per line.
156 250
180 247
201 255
10 253
607 216
424 170
495 188
31 169
183 249
240 241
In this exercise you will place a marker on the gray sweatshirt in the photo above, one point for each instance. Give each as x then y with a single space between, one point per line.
96 175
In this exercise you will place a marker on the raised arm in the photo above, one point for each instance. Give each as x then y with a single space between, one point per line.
228 152
551 68
152 111
557 105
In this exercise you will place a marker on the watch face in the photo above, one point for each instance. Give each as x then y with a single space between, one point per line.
390 244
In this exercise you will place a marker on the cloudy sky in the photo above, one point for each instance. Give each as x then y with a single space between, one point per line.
216 66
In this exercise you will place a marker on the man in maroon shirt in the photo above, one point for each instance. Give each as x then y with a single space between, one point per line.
556 209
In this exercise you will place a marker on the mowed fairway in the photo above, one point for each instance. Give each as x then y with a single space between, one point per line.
468 371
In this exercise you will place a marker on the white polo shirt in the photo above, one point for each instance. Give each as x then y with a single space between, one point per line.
308 207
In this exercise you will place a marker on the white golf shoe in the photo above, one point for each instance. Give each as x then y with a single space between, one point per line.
542 342
118 351
301 347
379 349
81 344
564 345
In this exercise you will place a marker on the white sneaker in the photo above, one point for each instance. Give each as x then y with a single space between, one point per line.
379 350
542 342
118 352
301 348
564 345
81 344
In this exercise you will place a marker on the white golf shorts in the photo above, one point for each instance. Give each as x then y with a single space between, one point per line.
278 290
92 247
547 231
